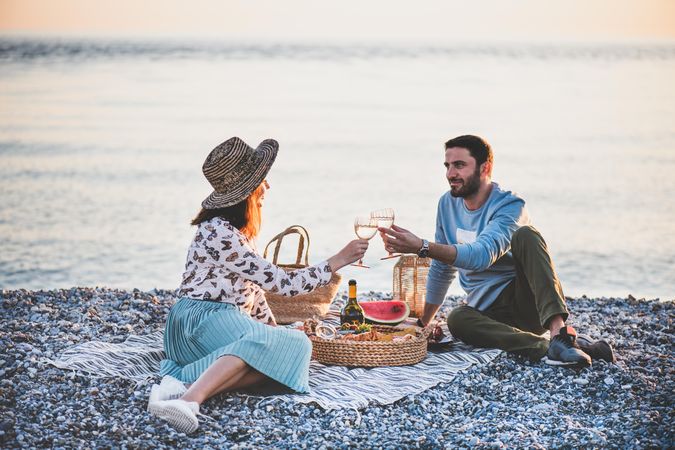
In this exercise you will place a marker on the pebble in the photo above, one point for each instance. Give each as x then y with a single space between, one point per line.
510 402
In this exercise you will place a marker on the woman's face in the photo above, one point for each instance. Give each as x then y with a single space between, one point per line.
264 186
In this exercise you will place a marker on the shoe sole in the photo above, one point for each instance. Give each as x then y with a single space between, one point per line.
175 416
571 365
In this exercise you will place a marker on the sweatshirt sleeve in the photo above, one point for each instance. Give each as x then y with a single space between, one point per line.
440 275
493 241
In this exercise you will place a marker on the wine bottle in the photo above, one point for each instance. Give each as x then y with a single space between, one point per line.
352 312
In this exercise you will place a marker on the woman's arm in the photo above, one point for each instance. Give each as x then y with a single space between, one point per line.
261 310
230 249
351 253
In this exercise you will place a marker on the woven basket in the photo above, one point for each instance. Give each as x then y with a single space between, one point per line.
304 306
370 353
410 279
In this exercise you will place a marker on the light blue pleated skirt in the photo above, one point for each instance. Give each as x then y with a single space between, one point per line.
199 332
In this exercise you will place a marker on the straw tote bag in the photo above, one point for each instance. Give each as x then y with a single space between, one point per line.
304 306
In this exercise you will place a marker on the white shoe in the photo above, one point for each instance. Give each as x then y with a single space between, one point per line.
168 389
180 414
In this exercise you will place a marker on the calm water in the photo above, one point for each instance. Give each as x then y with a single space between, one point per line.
101 146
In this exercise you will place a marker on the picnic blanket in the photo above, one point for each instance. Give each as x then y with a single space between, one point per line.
331 387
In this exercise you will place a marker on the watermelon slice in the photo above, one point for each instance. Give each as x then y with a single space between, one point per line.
389 312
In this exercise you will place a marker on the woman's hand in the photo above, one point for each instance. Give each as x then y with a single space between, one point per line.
399 240
351 253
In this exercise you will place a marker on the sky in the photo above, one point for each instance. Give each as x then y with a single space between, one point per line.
345 20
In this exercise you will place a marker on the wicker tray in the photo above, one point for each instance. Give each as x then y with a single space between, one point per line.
370 353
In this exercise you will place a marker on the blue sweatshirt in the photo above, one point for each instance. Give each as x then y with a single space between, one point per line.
483 242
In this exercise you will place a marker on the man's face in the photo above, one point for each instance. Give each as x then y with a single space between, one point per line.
461 172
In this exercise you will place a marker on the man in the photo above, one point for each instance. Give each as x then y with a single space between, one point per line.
484 233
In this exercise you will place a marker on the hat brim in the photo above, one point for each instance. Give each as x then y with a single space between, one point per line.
262 159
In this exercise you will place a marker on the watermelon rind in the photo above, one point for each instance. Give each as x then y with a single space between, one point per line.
396 311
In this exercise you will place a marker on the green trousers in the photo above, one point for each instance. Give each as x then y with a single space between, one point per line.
521 313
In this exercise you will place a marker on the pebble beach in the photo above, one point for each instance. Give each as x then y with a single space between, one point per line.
509 403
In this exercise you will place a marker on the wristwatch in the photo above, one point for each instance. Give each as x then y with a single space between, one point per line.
424 251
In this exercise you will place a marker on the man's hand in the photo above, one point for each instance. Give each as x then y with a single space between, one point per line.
399 240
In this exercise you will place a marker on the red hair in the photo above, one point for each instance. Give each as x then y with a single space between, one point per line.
253 213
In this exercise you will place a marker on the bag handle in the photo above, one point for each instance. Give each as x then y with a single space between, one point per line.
293 229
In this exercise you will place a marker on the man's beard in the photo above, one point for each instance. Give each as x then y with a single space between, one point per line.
468 187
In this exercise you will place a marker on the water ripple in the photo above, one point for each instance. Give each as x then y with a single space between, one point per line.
28 49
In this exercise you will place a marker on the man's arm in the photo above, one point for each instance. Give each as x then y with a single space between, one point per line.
447 254
441 273
430 310
493 241
400 240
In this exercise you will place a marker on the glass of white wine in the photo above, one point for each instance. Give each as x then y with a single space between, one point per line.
385 218
365 228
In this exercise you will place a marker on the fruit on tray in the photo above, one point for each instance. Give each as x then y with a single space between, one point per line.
372 335
388 312
360 328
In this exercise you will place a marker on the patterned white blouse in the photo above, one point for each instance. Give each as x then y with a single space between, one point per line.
223 266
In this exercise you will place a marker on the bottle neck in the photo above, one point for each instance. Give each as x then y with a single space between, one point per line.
352 292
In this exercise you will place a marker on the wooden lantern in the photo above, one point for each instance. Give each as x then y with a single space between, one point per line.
410 280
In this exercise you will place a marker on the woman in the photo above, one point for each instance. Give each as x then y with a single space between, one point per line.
221 335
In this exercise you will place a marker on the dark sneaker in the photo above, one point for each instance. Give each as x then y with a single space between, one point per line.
564 351
596 350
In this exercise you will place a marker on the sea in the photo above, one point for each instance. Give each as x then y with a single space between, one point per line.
102 142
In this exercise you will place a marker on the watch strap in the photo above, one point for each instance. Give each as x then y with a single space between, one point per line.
424 251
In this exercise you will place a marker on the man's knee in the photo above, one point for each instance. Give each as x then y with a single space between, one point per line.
526 235
460 321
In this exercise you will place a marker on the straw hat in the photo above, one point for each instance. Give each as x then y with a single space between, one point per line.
235 170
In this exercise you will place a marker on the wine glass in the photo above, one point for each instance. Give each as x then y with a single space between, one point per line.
365 228
385 218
